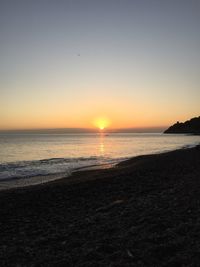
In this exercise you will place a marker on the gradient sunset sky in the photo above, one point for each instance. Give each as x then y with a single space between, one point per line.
67 63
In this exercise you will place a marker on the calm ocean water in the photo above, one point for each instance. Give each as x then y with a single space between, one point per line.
26 155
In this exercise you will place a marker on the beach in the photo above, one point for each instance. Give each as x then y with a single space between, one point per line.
143 212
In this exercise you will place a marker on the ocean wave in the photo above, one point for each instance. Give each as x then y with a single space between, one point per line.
191 145
25 169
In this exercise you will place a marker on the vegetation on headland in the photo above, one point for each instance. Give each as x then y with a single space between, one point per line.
191 126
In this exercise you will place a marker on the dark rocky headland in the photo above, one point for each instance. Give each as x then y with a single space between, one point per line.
144 212
188 127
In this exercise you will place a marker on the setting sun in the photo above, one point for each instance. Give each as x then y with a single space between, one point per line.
101 123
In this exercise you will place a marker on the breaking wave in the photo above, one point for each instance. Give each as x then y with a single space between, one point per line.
25 169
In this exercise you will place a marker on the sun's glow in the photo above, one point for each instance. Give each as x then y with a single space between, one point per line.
101 123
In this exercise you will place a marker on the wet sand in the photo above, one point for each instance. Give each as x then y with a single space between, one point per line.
143 212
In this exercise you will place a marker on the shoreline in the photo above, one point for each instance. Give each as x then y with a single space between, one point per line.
143 212
23 182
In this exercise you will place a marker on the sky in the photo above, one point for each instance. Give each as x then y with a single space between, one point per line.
72 63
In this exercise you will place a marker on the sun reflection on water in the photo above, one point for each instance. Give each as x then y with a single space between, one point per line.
102 144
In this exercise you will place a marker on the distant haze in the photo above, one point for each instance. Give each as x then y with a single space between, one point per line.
65 63
84 130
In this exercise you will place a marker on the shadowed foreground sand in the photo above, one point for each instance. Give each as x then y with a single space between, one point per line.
144 212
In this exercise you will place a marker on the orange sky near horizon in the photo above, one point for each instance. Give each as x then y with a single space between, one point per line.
124 108
118 114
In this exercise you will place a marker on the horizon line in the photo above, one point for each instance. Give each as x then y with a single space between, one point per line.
81 129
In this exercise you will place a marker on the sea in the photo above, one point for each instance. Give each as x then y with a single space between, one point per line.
25 155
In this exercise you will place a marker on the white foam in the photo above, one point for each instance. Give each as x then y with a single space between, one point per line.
25 169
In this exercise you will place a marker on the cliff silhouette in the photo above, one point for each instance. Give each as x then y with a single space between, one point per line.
191 126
